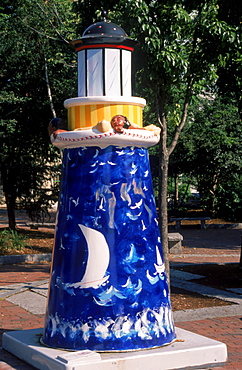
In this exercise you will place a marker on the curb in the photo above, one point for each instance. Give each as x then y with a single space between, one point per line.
24 258
206 313
224 226
210 226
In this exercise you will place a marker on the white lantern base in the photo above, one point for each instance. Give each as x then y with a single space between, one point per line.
189 350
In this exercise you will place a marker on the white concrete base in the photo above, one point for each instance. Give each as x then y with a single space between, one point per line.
188 351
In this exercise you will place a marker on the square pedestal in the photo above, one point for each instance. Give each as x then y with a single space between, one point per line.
189 350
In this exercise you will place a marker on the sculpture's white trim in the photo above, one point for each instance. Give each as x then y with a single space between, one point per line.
92 100
92 137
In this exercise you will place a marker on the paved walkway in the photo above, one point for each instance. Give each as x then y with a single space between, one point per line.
23 291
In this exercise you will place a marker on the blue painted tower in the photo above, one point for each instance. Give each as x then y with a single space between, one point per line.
108 288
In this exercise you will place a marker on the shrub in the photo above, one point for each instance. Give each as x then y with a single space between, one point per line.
11 240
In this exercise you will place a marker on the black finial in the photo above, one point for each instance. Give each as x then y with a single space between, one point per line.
104 15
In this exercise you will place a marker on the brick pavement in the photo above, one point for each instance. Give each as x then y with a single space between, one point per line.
214 246
13 317
23 273
200 246
224 329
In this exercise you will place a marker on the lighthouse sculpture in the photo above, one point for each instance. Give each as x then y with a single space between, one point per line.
108 287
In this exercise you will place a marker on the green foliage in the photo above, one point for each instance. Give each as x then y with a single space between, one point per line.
210 152
185 48
229 199
11 240
34 45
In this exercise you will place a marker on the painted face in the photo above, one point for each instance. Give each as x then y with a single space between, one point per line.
117 123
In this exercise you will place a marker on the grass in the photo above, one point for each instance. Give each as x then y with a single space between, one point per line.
11 240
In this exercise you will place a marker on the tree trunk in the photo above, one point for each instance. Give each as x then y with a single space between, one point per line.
10 202
165 153
163 180
176 191
240 262
163 217
48 88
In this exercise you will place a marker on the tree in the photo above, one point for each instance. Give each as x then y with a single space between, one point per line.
229 72
209 151
37 73
181 46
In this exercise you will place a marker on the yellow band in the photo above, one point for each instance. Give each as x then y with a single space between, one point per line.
89 115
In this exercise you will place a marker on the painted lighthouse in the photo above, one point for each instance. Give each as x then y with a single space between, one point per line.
108 288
